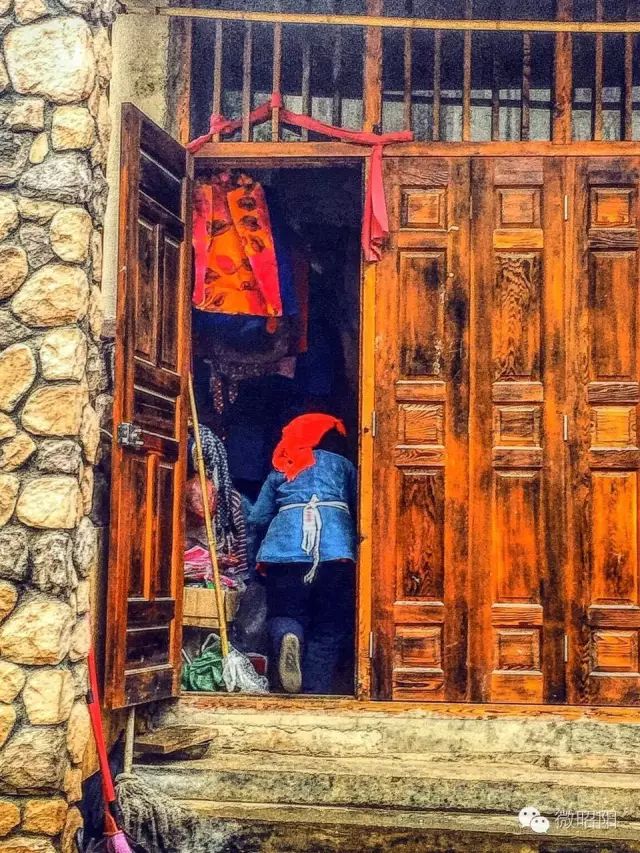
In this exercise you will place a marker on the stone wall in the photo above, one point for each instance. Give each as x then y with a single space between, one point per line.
54 134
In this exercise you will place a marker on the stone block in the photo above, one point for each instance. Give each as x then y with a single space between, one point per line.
7 721
78 732
95 313
27 113
85 547
53 59
11 331
54 410
9 218
55 295
17 372
9 485
8 427
50 501
13 270
4 77
46 816
90 433
52 562
37 210
13 552
9 817
73 127
70 235
39 149
27 845
62 177
35 239
72 784
16 451
59 456
37 633
86 489
63 354
48 696
8 598
12 679
72 825
96 256
27 11
14 156
80 640
34 758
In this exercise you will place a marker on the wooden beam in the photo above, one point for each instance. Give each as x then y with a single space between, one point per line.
408 79
487 25
437 83
525 106
466 78
563 76
372 86
596 131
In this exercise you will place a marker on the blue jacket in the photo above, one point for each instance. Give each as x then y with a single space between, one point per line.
332 478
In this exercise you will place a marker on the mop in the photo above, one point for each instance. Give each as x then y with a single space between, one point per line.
237 670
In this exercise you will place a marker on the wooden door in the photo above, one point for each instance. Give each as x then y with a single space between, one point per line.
517 496
420 454
603 379
149 455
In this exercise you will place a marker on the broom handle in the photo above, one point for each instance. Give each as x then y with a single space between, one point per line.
211 537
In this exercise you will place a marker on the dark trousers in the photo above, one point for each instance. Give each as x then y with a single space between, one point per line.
321 614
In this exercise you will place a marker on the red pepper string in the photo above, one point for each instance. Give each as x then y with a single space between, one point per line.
375 221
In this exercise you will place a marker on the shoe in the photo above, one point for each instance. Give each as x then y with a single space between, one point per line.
289 664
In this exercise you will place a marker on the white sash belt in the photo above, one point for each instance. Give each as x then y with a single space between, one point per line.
312 528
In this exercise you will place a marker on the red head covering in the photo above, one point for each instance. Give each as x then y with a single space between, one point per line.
294 452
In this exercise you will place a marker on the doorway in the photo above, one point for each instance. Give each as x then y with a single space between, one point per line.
506 543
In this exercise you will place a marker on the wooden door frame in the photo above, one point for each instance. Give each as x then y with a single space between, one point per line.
327 155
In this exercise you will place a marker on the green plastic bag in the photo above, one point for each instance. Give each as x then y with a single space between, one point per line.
204 673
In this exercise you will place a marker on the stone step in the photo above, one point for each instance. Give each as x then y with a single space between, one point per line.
395 783
357 733
412 825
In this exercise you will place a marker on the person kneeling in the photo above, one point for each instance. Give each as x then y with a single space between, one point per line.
308 504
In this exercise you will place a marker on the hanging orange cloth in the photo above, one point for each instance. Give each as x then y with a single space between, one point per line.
294 452
236 270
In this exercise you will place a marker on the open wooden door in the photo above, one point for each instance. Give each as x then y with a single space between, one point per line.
150 416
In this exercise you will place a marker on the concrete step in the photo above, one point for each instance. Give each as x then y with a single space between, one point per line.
397 782
542 740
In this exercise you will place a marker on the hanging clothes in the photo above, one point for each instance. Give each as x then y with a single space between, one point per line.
236 270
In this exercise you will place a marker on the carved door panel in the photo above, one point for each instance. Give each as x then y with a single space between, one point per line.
517 494
603 378
420 456
149 458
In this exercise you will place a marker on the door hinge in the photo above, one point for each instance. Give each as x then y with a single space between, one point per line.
565 427
371 645
129 435
374 423
565 649
566 207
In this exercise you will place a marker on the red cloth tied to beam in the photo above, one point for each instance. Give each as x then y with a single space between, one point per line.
375 221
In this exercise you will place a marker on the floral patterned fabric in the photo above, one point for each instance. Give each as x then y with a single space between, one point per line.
236 270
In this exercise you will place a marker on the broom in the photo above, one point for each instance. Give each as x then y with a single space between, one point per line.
237 669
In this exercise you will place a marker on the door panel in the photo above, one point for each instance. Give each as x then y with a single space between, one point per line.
152 363
517 388
604 386
420 478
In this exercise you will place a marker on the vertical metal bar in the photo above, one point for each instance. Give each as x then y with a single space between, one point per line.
495 93
306 81
598 78
247 55
216 106
437 73
466 78
627 106
525 106
276 80
408 78
336 107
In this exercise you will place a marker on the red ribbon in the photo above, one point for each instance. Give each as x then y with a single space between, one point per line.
375 221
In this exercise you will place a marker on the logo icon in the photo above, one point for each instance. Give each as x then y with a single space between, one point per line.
530 817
